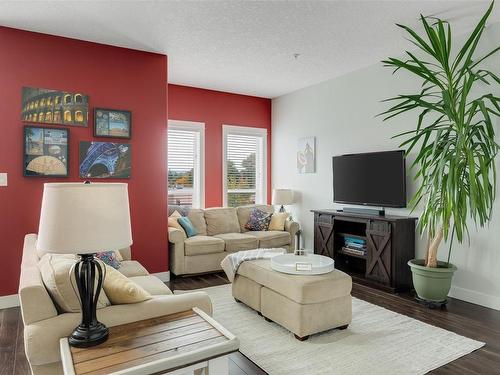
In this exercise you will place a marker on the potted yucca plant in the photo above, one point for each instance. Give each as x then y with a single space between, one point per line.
454 141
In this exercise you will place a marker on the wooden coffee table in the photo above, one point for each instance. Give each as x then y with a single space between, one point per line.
175 344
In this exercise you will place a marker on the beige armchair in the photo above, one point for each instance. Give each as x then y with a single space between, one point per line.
44 326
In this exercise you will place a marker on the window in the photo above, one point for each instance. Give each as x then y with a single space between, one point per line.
186 178
244 165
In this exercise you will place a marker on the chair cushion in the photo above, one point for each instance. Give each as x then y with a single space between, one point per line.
298 288
131 268
122 290
60 282
238 241
244 213
271 238
199 245
221 220
197 217
152 285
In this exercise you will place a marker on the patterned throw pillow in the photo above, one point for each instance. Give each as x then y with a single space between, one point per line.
258 220
109 258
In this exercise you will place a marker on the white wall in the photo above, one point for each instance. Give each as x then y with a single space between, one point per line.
340 114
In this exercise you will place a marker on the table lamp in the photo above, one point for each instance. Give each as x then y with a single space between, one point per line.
282 197
85 218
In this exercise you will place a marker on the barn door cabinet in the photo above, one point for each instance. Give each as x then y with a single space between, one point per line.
390 244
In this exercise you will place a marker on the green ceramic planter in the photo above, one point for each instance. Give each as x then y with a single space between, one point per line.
432 284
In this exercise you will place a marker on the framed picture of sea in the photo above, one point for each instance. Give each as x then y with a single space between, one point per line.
112 123
104 160
46 106
306 155
45 152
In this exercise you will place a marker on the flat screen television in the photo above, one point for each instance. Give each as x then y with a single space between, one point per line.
370 179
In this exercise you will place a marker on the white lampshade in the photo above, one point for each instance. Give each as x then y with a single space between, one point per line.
78 218
282 197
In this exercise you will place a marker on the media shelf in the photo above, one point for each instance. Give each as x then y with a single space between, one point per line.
390 243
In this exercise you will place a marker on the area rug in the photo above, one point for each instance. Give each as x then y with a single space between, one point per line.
378 341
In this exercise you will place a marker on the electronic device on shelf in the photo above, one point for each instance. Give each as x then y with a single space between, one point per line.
370 179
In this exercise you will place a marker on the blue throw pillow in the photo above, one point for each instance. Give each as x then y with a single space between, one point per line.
187 225
258 220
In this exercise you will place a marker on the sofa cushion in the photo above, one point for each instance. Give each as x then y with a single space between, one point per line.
243 213
122 290
238 241
188 226
271 238
301 289
221 220
199 245
278 221
197 217
258 220
173 221
59 280
152 285
131 268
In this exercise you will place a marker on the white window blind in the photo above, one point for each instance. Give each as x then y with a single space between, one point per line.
244 165
185 166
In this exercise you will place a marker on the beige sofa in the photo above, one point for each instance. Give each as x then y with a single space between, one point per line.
221 231
44 326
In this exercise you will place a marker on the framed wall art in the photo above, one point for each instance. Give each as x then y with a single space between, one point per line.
45 152
306 155
104 160
54 107
112 123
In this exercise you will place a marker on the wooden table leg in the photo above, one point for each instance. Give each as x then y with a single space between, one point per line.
218 366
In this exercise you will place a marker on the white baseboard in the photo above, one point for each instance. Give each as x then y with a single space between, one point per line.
9 301
475 297
163 276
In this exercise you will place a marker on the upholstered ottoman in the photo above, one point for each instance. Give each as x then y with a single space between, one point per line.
303 304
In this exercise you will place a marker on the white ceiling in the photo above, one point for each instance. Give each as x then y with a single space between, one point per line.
245 46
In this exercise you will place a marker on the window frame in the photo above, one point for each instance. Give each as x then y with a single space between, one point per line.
261 133
198 127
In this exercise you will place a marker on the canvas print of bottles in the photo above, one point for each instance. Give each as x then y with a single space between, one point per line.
54 107
104 160
306 155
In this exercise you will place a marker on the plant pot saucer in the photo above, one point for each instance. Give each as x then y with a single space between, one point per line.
432 304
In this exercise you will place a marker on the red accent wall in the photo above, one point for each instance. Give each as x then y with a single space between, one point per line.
113 78
216 108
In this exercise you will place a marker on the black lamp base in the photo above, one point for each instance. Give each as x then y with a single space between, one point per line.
90 332
85 337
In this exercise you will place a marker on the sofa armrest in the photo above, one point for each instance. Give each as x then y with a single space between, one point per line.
42 338
175 235
292 227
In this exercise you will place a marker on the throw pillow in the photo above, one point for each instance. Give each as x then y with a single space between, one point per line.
121 290
188 226
59 280
278 221
173 221
119 256
258 220
110 258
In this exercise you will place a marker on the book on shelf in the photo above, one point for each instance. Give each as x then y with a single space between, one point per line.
349 250
354 245
360 241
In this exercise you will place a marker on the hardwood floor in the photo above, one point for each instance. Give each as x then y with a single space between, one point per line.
464 318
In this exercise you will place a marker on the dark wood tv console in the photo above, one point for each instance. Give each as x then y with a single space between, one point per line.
390 244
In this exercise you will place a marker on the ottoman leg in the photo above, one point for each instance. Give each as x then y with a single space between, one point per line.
301 338
343 327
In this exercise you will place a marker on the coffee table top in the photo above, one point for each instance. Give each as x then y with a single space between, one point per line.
309 264
152 346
